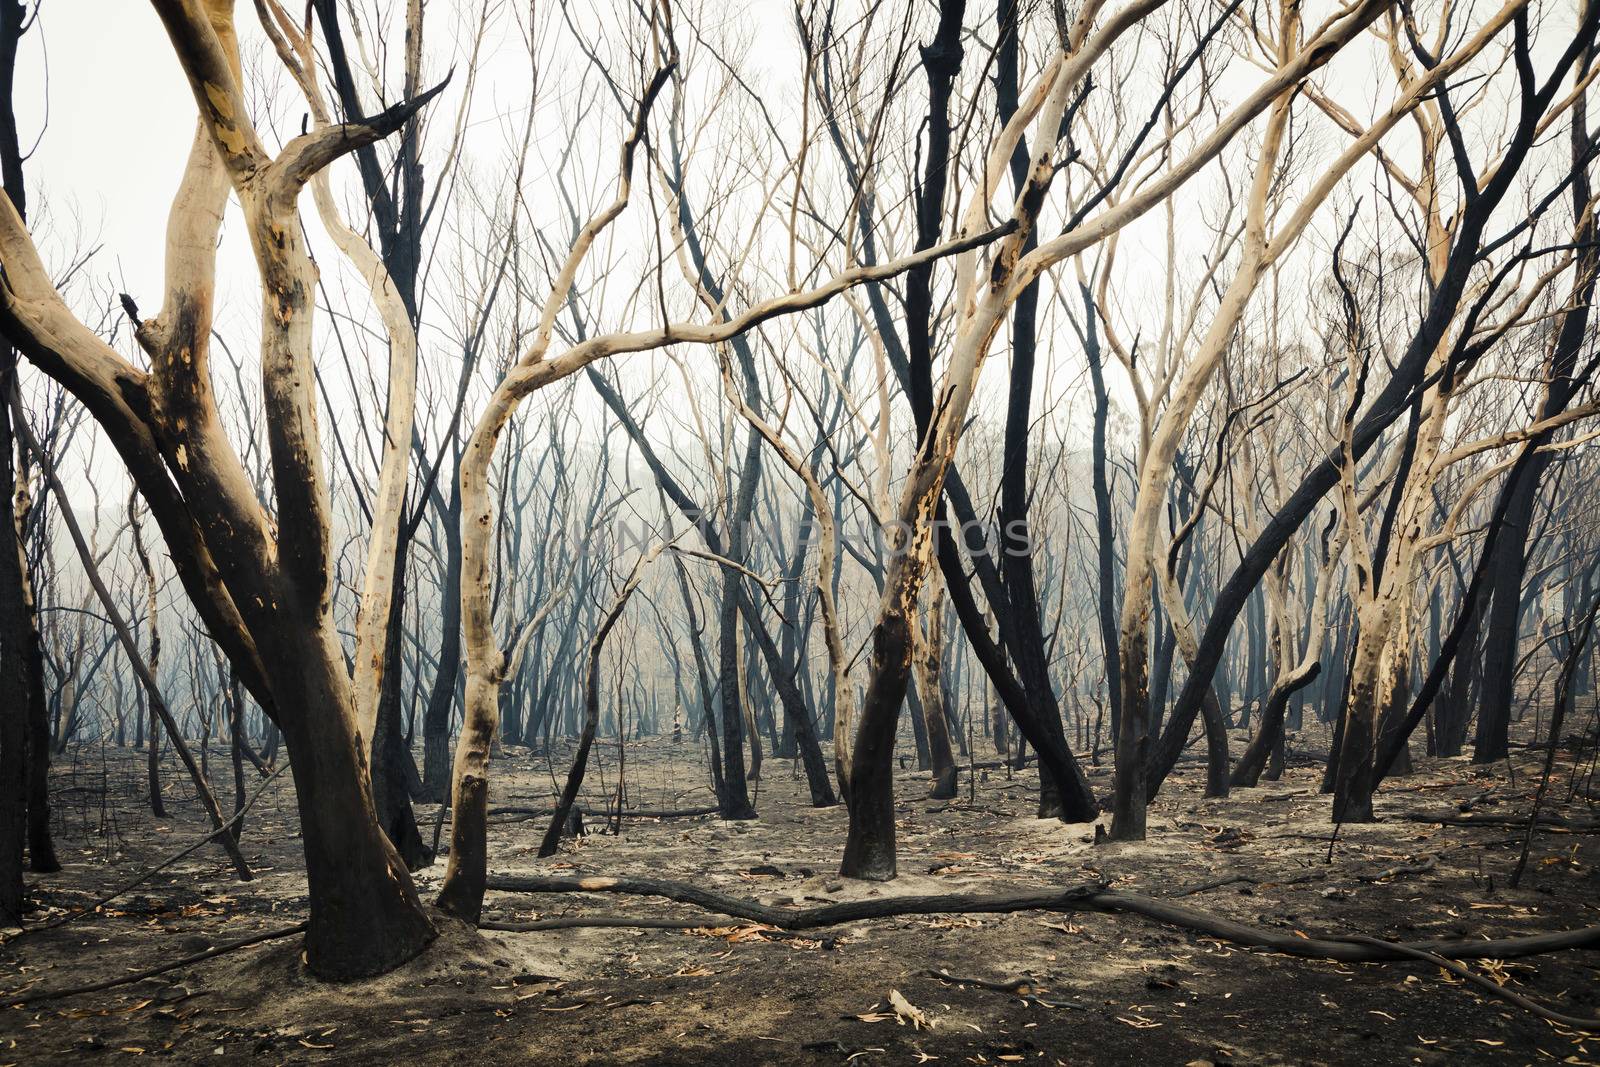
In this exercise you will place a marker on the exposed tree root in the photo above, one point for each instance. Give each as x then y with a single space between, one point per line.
1076 898
33 996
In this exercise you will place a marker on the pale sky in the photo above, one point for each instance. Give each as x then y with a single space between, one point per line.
121 118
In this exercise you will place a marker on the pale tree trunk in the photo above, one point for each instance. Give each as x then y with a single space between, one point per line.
262 589
1259 252
1291 673
870 850
1382 575
1215 718
376 636
1444 306
1155 474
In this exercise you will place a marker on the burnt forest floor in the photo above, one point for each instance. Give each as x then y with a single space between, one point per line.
1109 988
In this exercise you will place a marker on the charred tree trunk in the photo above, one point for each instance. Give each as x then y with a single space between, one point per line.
25 731
1105 548
1022 624
361 924
1267 743
442 695
16 634
153 755
734 798
1404 383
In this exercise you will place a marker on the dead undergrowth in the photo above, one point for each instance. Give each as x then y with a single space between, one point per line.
688 986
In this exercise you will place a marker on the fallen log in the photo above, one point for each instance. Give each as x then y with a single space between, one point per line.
1087 897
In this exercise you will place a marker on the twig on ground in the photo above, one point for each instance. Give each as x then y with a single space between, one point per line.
212 953
226 827
1021 988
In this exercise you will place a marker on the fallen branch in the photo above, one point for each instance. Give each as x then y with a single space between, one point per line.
1577 1022
523 813
1023 989
578 922
1090 897
629 922
226 827
1231 879
1555 822
804 918
128 979
1427 863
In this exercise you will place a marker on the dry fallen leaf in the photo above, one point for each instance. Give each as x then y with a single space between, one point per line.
735 934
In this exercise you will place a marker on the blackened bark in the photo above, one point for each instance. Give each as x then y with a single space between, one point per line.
442 695
1022 625
734 798
1105 548
869 851
993 654
15 635
1268 739
360 925
1501 642
25 732
797 716
1405 381
1452 712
